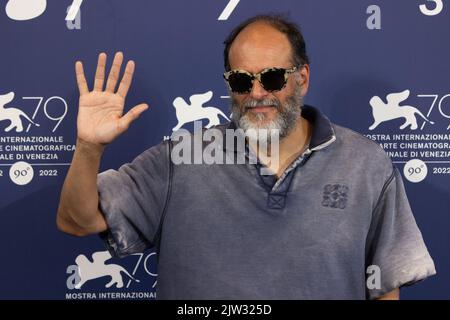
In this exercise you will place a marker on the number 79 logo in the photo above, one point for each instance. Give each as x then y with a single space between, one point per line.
22 10
73 11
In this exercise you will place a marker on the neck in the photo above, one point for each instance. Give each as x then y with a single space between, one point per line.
297 140
290 147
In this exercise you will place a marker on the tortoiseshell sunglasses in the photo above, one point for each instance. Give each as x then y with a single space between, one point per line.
271 79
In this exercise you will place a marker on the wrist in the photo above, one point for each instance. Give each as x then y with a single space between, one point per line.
89 147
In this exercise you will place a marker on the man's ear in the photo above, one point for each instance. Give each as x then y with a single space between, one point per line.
303 78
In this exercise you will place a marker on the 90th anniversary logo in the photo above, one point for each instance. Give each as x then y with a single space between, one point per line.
423 136
22 146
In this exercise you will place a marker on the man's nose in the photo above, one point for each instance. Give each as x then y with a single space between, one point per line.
258 92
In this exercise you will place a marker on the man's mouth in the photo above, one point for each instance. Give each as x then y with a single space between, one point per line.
257 109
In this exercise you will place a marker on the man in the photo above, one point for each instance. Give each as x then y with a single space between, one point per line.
334 209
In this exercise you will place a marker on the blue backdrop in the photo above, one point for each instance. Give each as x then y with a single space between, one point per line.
359 50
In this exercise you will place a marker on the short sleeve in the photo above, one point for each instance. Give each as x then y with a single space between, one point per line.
132 200
394 242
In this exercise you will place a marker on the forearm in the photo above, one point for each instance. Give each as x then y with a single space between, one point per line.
100 121
78 211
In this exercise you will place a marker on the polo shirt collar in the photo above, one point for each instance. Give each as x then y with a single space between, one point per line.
322 135
322 130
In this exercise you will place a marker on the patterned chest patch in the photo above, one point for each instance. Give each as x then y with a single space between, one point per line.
335 196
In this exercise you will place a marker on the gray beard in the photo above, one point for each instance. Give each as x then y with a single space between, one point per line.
284 123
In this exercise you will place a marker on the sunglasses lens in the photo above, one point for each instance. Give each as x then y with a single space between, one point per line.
240 82
273 80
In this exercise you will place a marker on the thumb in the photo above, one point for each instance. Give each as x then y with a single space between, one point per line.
131 115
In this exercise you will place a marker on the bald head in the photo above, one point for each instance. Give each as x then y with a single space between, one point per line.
259 42
271 31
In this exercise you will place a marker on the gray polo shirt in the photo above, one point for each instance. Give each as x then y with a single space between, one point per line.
227 232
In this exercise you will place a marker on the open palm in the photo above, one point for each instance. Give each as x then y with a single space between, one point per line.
100 114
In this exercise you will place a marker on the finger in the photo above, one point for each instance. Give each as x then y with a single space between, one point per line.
131 115
126 79
100 72
114 73
81 79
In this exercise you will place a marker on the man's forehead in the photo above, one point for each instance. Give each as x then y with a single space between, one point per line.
260 42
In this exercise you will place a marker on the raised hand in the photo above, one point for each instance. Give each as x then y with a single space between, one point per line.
100 114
